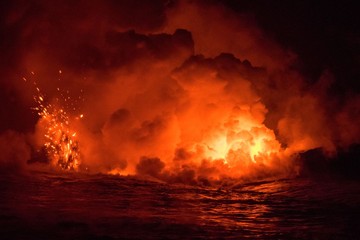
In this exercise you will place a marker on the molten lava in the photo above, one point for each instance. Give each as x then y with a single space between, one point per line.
241 146
61 144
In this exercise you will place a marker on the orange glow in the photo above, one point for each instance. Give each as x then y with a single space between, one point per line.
177 100
60 142
240 146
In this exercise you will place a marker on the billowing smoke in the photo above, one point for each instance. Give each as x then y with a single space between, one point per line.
176 90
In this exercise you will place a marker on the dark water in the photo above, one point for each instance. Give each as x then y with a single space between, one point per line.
49 206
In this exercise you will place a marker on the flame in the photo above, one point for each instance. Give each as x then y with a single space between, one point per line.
61 144
256 145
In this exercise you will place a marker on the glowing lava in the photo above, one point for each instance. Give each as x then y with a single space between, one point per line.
61 144
243 146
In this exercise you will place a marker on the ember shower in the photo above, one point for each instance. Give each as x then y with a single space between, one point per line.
176 90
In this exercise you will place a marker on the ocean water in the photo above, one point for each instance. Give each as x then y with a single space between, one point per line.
42 205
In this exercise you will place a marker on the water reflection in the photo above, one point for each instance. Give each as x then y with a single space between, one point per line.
53 207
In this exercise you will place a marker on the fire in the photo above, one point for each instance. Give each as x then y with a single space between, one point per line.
61 144
219 148
233 137
256 145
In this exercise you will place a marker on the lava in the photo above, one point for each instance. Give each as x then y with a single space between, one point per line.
61 144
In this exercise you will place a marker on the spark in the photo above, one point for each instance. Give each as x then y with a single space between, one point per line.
61 144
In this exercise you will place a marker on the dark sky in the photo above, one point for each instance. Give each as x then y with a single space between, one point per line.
324 34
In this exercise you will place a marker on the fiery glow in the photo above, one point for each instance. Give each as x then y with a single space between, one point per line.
169 98
61 144
241 147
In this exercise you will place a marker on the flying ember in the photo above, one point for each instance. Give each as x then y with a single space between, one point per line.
60 140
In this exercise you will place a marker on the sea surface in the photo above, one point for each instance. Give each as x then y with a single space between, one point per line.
41 205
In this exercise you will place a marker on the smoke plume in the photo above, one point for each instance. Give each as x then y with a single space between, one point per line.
176 90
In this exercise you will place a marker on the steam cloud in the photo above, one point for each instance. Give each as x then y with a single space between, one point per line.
166 85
